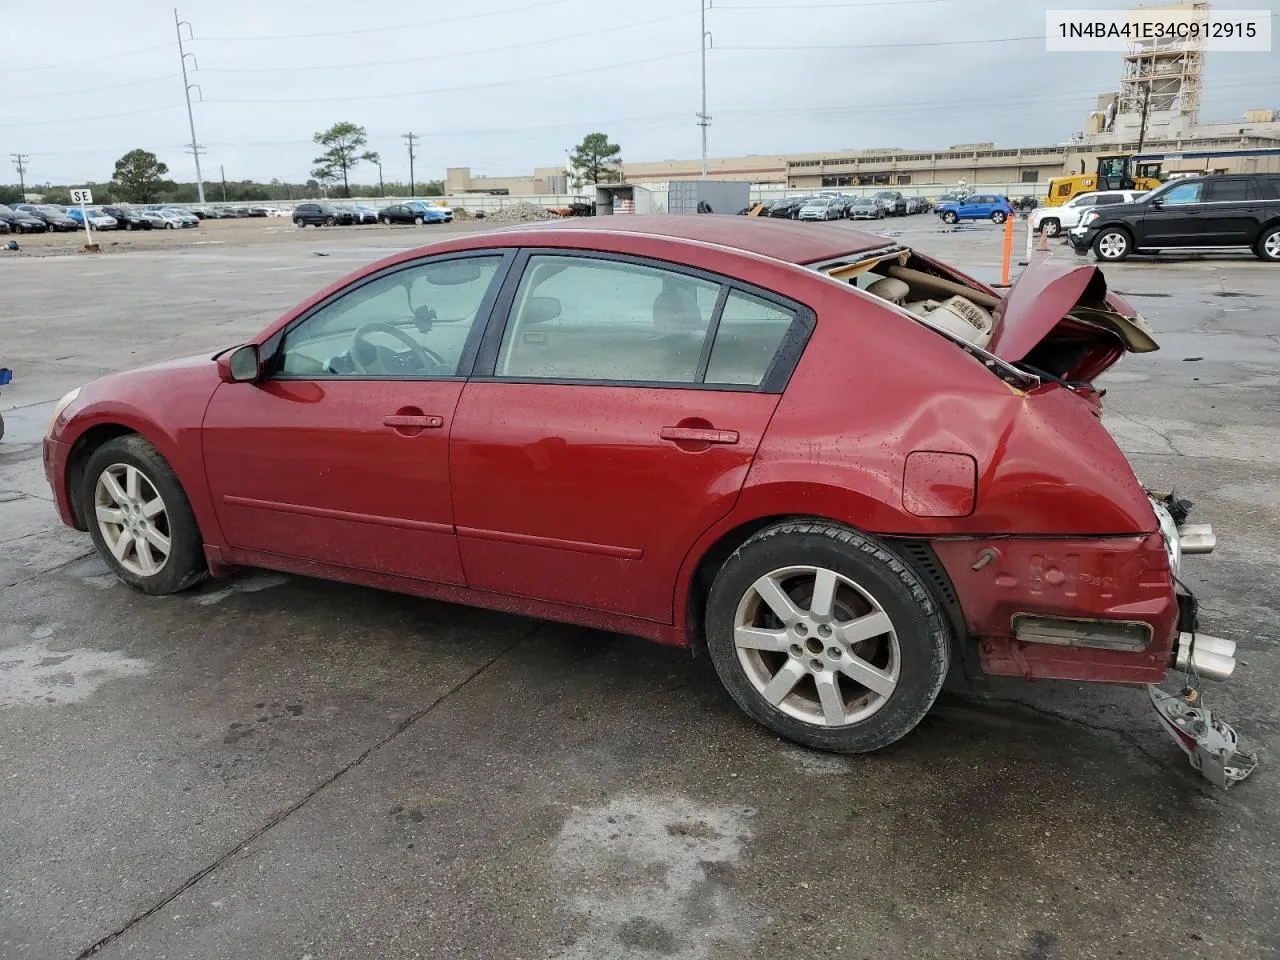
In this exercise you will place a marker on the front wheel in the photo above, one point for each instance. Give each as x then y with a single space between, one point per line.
1051 227
128 226
140 519
417 221
1269 245
950 217
387 221
998 217
300 223
1112 246
825 637
329 221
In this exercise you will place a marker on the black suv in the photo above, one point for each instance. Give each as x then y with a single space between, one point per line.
1215 211
321 215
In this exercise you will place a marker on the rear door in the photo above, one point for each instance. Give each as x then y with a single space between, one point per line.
612 418
1232 210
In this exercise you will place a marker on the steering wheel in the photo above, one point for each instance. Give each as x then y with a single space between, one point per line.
428 360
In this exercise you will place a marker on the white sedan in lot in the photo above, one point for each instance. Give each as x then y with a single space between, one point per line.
1054 220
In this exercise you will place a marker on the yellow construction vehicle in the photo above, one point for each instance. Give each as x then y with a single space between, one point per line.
1113 173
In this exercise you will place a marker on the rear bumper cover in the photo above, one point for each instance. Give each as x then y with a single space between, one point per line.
1080 580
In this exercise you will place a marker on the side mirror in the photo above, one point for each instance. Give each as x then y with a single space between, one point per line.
1158 202
241 365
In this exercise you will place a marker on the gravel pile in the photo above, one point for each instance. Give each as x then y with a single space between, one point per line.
520 213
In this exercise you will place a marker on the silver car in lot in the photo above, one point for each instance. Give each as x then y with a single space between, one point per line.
821 208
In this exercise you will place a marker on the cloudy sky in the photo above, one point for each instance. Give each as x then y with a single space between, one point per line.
506 85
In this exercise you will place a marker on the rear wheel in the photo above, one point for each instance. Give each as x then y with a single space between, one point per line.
1112 245
950 217
299 222
387 221
998 217
140 519
128 226
417 221
329 221
1269 245
825 637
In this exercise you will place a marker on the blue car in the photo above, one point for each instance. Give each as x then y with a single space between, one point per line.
431 212
978 206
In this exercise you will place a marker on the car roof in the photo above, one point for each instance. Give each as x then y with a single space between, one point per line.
769 237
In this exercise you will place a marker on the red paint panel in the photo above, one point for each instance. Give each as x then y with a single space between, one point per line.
939 484
1115 578
542 470
311 469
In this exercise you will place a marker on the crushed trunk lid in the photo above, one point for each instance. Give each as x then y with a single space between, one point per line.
1059 319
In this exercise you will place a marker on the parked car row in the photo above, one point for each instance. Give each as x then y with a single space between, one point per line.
342 215
840 206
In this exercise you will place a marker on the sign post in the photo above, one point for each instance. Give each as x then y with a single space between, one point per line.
82 197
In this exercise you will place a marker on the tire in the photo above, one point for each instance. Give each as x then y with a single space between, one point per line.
184 565
950 217
1051 227
999 217
300 223
128 226
1269 245
1112 245
170 226
417 221
329 221
908 659
387 221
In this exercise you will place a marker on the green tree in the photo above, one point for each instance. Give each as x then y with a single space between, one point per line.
325 175
342 143
139 176
596 160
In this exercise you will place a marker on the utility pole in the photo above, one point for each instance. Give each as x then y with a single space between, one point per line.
1142 127
704 121
20 161
187 86
411 139
222 172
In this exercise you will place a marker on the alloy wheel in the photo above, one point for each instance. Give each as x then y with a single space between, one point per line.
132 519
817 645
1272 246
1112 246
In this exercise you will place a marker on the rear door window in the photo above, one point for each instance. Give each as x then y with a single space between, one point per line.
747 341
1226 191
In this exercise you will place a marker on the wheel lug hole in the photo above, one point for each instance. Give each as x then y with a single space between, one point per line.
824 630
801 630
817 665
834 653
797 650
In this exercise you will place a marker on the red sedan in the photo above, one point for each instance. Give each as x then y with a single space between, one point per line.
833 462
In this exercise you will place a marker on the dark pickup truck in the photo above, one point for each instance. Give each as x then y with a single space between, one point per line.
1214 212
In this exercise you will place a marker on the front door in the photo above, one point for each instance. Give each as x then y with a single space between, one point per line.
613 421
340 455
1175 218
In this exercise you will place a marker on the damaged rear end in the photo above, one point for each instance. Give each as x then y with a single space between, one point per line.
1068 568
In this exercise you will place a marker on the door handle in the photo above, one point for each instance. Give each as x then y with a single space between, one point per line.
698 435
413 420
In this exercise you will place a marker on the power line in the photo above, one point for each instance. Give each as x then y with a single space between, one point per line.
472 86
94 89
878 46
435 57
402 26
103 116
76 63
